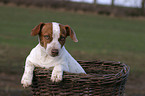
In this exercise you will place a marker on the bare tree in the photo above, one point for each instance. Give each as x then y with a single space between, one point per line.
95 2
143 7
112 3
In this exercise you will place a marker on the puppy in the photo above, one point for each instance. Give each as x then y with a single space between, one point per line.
50 52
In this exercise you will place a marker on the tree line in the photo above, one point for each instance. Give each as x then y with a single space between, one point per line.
113 4
84 7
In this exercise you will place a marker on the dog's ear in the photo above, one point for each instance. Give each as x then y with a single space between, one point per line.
36 30
71 33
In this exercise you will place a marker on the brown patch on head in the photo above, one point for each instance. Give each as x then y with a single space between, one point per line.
63 35
46 34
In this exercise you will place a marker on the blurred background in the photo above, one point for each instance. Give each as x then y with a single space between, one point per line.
106 29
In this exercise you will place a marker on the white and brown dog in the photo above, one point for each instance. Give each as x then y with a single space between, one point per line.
50 52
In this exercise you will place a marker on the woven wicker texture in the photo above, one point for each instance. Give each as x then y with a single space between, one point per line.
103 78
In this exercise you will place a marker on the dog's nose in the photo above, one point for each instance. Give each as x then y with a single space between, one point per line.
54 52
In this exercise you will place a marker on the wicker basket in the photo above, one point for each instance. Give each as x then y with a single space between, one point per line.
104 78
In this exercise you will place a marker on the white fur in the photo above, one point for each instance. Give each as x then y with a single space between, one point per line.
40 57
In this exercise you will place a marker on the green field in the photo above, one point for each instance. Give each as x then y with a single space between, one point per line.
100 37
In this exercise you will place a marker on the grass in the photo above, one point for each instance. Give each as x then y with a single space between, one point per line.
101 33
100 37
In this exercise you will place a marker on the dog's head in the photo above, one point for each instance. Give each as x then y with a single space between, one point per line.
53 36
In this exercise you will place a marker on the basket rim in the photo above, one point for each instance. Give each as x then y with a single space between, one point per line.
125 69
119 76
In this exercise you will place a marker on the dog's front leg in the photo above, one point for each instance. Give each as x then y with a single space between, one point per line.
28 74
57 74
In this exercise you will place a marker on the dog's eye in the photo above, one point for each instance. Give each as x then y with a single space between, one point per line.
47 37
62 38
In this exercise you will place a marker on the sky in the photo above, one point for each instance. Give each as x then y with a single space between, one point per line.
128 3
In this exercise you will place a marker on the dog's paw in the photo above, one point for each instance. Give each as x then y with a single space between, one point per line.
56 77
26 82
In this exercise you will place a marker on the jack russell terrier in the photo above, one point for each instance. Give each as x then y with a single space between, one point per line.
50 52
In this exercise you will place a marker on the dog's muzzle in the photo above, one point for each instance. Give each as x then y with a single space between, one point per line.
54 52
